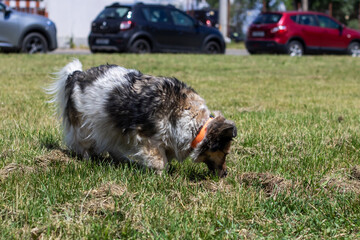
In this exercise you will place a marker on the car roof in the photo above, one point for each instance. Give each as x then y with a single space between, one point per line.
117 4
294 12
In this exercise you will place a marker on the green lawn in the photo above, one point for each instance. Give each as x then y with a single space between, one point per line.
294 170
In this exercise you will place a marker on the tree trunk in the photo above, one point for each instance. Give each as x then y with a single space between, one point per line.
305 5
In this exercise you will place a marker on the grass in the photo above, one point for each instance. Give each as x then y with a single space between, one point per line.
292 171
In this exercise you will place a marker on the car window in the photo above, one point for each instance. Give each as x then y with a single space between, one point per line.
113 13
307 19
1 8
156 15
267 18
295 18
327 22
180 19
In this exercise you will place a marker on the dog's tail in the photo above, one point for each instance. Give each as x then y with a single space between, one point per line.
58 88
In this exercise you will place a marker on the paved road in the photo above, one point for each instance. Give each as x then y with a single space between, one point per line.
238 52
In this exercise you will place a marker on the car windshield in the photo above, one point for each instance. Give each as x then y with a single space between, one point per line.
113 13
267 18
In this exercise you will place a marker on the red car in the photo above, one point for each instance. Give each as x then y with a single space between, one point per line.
297 33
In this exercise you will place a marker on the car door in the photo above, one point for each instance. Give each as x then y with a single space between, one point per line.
9 28
310 30
188 36
160 26
332 36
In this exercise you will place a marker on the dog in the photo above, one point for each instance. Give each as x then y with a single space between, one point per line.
138 118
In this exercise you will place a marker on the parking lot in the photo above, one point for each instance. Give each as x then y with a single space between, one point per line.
79 51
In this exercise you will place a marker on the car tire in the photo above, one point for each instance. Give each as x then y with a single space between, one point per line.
354 49
140 46
212 48
252 51
295 48
34 43
93 50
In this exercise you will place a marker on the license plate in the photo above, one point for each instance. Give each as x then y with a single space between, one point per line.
103 41
258 34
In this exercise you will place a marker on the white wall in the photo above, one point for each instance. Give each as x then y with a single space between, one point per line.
73 17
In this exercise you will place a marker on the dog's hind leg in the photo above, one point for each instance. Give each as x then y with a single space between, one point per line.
77 140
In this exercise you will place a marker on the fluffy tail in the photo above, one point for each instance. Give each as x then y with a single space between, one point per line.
57 88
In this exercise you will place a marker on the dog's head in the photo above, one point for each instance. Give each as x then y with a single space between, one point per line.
215 146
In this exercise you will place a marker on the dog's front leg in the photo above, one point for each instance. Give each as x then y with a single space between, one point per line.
152 157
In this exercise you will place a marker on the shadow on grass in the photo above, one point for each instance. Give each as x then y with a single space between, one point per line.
195 172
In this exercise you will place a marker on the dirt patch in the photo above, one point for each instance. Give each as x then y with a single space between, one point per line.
102 198
271 184
343 182
355 173
342 185
6 171
42 163
55 156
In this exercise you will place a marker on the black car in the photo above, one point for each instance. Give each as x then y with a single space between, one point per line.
145 28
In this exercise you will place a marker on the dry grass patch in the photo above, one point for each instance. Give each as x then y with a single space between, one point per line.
271 184
42 163
343 182
102 198
54 156
6 171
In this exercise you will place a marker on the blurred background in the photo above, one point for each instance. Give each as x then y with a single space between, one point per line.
73 17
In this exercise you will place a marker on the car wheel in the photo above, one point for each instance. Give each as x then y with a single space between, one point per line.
93 50
34 43
295 48
354 49
212 48
140 46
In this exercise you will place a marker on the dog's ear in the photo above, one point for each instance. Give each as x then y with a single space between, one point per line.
230 129
221 132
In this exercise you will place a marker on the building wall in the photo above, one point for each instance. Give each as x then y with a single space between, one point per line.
73 18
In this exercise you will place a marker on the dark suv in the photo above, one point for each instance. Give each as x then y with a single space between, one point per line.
145 28
298 32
